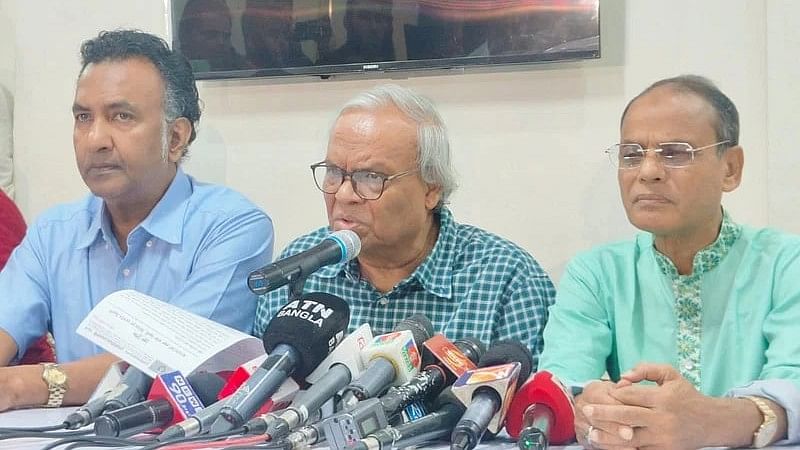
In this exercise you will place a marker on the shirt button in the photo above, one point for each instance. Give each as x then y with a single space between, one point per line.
126 272
149 243
688 366
383 301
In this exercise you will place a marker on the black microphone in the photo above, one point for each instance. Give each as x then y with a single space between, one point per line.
339 246
339 367
172 398
488 390
132 388
447 361
430 427
297 339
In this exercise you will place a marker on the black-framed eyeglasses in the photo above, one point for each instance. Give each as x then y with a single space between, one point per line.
366 184
672 154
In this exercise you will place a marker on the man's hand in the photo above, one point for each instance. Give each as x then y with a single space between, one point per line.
596 393
21 386
670 415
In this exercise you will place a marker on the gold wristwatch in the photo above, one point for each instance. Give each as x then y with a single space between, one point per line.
56 380
765 433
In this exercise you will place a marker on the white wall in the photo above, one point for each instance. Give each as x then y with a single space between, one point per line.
7 41
528 142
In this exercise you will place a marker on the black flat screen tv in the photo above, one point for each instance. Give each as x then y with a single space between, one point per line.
275 38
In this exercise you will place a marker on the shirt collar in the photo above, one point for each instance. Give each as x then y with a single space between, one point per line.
709 257
164 222
435 273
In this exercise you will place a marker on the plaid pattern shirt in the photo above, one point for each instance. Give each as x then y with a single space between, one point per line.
473 284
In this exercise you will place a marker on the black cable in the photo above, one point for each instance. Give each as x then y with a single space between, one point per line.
44 435
91 440
60 426
88 444
266 446
100 441
203 437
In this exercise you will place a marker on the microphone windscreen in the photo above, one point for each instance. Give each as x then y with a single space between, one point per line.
312 325
349 242
471 347
419 325
206 385
504 352
543 389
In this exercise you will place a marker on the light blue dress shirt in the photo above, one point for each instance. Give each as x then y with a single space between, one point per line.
194 250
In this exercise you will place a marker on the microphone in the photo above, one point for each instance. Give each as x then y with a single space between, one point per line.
330 376
487 392
428 428
200 422
447 361
131 389
542 412
242 373
297 339
391 359
339 246
172 398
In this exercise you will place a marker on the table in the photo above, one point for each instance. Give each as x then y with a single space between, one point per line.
48 416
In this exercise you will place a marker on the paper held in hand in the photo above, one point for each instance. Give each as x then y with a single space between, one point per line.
156 337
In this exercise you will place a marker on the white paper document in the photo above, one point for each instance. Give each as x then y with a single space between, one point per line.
156 337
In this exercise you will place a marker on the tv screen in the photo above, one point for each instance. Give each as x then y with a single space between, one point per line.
271 38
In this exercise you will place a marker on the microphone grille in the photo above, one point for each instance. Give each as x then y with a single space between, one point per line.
206 385
349 241
471 347
419 325
504 352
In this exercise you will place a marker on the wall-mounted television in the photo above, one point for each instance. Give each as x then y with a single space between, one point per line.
275 38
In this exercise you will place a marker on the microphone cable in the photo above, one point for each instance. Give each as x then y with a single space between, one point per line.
92 441
61 426
148 444
43 434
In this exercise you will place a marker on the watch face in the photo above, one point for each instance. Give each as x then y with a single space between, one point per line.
59 377
766 434
54 375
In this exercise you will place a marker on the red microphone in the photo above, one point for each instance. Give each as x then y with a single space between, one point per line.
542 412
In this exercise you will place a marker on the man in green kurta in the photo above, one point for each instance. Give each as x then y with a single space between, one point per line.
696 319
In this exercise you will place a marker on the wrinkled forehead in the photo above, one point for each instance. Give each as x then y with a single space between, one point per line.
382 134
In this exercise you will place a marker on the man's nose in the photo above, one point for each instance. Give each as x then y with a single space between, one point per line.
652 168
346 192
98 136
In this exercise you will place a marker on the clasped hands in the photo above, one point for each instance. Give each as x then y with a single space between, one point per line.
627 415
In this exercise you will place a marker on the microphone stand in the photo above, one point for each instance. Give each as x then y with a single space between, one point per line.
296 283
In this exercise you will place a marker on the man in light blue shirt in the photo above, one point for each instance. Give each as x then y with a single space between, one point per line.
147 225
695 320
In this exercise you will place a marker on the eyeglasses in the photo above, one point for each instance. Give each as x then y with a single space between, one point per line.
366 184
673 154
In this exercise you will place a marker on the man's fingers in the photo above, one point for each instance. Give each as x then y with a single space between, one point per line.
601 438
637 395
659 373
630 416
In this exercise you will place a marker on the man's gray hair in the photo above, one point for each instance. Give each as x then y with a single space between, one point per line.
433 145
